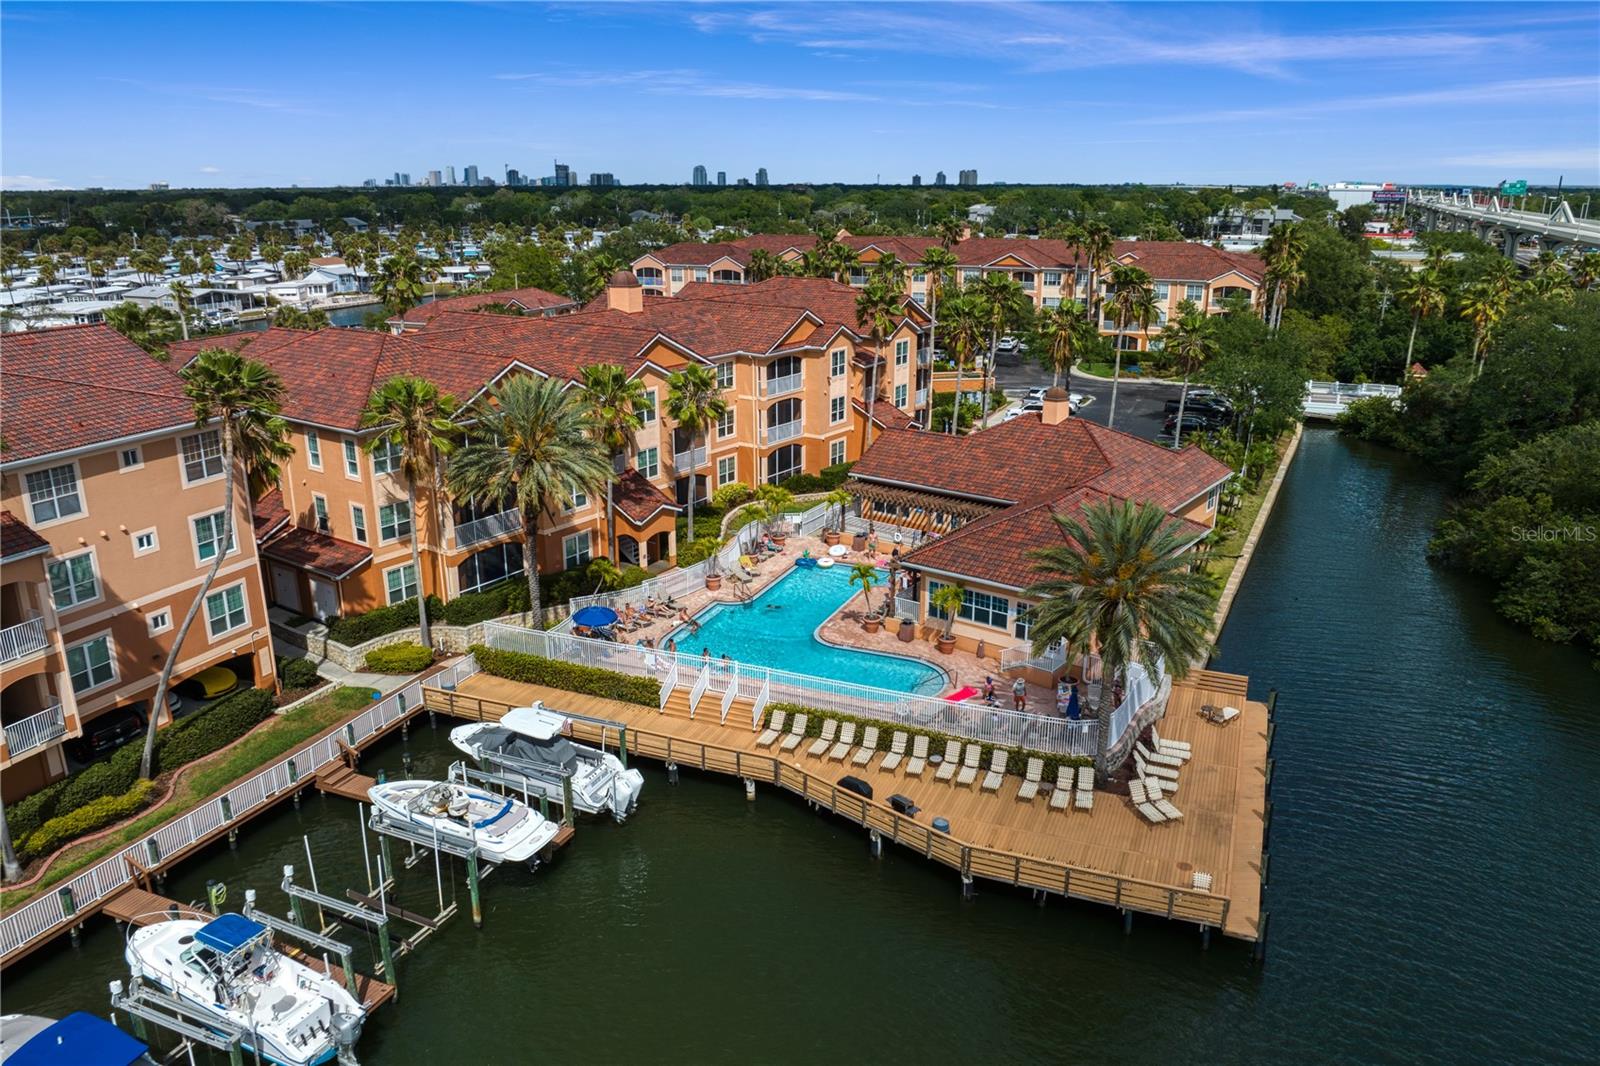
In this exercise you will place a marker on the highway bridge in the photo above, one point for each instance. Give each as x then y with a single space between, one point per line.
1560 231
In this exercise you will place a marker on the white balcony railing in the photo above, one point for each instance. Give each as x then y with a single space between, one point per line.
782 432
22 639
35 731
922 397
693 459
489 527
783 386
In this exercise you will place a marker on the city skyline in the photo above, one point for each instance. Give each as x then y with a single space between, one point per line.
1142 93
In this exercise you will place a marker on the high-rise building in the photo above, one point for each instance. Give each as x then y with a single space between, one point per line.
513 176
470 176
969 177
700 175
916 180
370 183
396 179
449 175
563 174
604 179
405 179
435 178
722 177
939 179
761 175
744 181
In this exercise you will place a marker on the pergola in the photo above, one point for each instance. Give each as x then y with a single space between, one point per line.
913 509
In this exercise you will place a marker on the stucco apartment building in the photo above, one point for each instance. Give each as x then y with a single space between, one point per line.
335 534
1049 271
110 510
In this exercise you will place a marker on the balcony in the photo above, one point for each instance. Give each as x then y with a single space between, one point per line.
488 528
693 459
922 397
782 386
23 640
781 432
35 731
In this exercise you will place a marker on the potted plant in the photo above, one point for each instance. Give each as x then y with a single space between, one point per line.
866 575
947 598
713 574
775 500
839 499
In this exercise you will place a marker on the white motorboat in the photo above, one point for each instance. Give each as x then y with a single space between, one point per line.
528 747
502 829
228 968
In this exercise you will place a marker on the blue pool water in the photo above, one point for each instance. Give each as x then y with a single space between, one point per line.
776 630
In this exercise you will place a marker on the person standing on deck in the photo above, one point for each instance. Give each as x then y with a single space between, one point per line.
1019 695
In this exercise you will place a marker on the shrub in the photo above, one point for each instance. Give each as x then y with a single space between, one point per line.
563 585
573 677
487 603
217 726
697 550
111 776
298 673
381 621
731 495
399 659
633 576
96 814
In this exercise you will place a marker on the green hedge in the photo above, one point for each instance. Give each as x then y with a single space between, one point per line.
381 621
96 814
294 674
507 597
399 659
830 478
1016 758
588 680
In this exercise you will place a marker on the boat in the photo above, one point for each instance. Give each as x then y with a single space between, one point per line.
529 747
502 829
79 1039
227 967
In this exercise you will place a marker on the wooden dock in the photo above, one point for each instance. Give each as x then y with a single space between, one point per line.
1109 854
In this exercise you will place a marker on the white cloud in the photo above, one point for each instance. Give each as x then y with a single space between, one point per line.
29 181
210 170
1521 91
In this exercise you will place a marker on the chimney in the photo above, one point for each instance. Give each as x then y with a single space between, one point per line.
624 294
1057 407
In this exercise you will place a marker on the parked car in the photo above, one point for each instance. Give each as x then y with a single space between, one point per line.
1007 344
1202 403
1193 423
211 682
107 732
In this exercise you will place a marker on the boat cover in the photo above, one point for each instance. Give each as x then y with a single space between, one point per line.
555 752
79 1039
229 933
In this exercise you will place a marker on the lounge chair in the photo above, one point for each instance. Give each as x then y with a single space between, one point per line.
950 763
847 740
1141 801
868 748
969 765
1030 780
1061 798
1219 715
1178 749
1153 789
1148 769
1154 759
773 731
1085 799
919 756
830 728
997 771
897 751
797 732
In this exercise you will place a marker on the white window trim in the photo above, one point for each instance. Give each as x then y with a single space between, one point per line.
244 598
361 526
320 512
844 409
588 547
650 414
844 450
99 580
111 656
159 621
83 495
183 465
733 474
732 375
352 453
733 425
838 362
313 449
1212 498
637 465
399 536
194 543
155 541
137 449
386 591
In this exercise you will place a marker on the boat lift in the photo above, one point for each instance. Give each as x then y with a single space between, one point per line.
503 770
429 840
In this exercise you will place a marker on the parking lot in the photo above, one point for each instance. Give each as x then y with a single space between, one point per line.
1141 405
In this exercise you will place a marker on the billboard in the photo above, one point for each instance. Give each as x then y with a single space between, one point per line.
1513 188
1389 196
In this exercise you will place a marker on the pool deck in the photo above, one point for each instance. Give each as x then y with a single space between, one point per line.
1109 854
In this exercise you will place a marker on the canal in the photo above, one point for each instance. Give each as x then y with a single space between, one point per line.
1433 863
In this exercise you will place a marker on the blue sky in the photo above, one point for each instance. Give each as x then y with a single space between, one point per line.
121 95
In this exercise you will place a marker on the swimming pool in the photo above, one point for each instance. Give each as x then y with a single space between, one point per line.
777 629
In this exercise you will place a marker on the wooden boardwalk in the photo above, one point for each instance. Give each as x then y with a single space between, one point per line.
1109 854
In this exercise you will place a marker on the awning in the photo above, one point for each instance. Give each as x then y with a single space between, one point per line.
318 553
915 509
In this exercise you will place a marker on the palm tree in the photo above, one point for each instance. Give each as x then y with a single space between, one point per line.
1133 300
890 269
1482 305
181 295
399 283
1282 252
1067 336
13 868
1423 292
1550 278
1187 342
1099 248
226 388
763 265
963 324
878 314
695 403
865 575
841 261
1586 270
531 444
1004 304
936 264
410 413
613 404
949 231
839 498
1121 582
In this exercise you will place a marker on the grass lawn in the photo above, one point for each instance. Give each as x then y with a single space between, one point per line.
1224 555
206 777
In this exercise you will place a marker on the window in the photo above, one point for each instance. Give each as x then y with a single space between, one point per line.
1162 291
578 499
386 458
647 410
352 461
836 362
918 276
159 621
400 583
575 550
202 456
313 449
970 275
979 607
648 462
902 352
73 580
394 521
677 273
225 610
89 664
724 375
1195 292
725 424
358 522
319 507
53 493
145 542
835 452
1022 625
130 459
492 564
208 535
836 410
727 471
1212 497
1052 278
900 395
1052 301
699 273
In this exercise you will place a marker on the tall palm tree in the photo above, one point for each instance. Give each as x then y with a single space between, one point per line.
1586 270
410 413
182 295
399 283
1067 336
613 404
530 444
1100 249
949 231
1282 252
1424 293
763 265
878 313
1482 306
963 326
841 261
1187 342
1004 304
891 270
936 263
695 403
1132 300
1122 583
229 390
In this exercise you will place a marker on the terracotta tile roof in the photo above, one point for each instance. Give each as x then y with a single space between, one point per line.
697 253
268 515
907 249
1023 459
77 386
1141 470
317 552
529 299
1182 261
18 540
639 501
887 415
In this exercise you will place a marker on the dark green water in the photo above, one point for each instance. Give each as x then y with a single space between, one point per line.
1433 861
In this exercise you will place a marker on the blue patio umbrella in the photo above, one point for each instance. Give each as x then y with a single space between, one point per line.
1073 709
594 617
